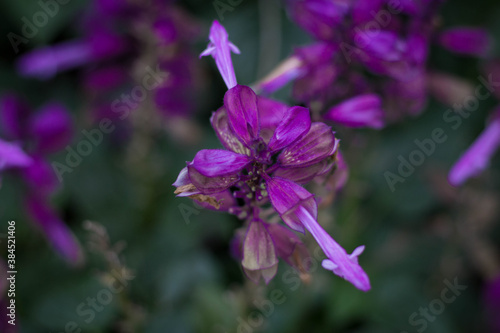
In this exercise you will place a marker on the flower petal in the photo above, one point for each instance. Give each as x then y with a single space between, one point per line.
258 248
242 112
360 111
259 253
229 140
342 264
289 247
294 124
220 49
12 156
477 157
215 170
466 40
286 197
318 144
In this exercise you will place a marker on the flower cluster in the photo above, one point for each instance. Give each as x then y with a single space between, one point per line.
121 43
270 151
369 62
32 138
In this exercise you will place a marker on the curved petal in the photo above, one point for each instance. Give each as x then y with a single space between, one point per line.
242 112
360 111
229 140
341 263
294 124
477 157
318 144
286 197
215 170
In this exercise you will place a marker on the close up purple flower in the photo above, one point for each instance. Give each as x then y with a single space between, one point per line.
261 149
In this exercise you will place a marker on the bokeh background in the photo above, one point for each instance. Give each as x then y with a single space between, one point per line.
181 276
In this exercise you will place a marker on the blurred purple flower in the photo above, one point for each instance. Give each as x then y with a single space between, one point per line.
360 111
476 158
262 137
465 40
389 40
47 131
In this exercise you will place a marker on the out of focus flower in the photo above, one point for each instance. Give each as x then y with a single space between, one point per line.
269 149
122 42
32 137
370 47
476 158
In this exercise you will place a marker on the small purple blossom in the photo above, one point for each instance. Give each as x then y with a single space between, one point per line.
268 147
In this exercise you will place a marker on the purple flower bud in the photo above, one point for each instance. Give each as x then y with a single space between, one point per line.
465 40
359 111
259 254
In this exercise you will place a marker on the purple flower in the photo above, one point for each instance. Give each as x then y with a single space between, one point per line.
262 139
476 158
465 40
360 111
388 41
220 49
45 132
